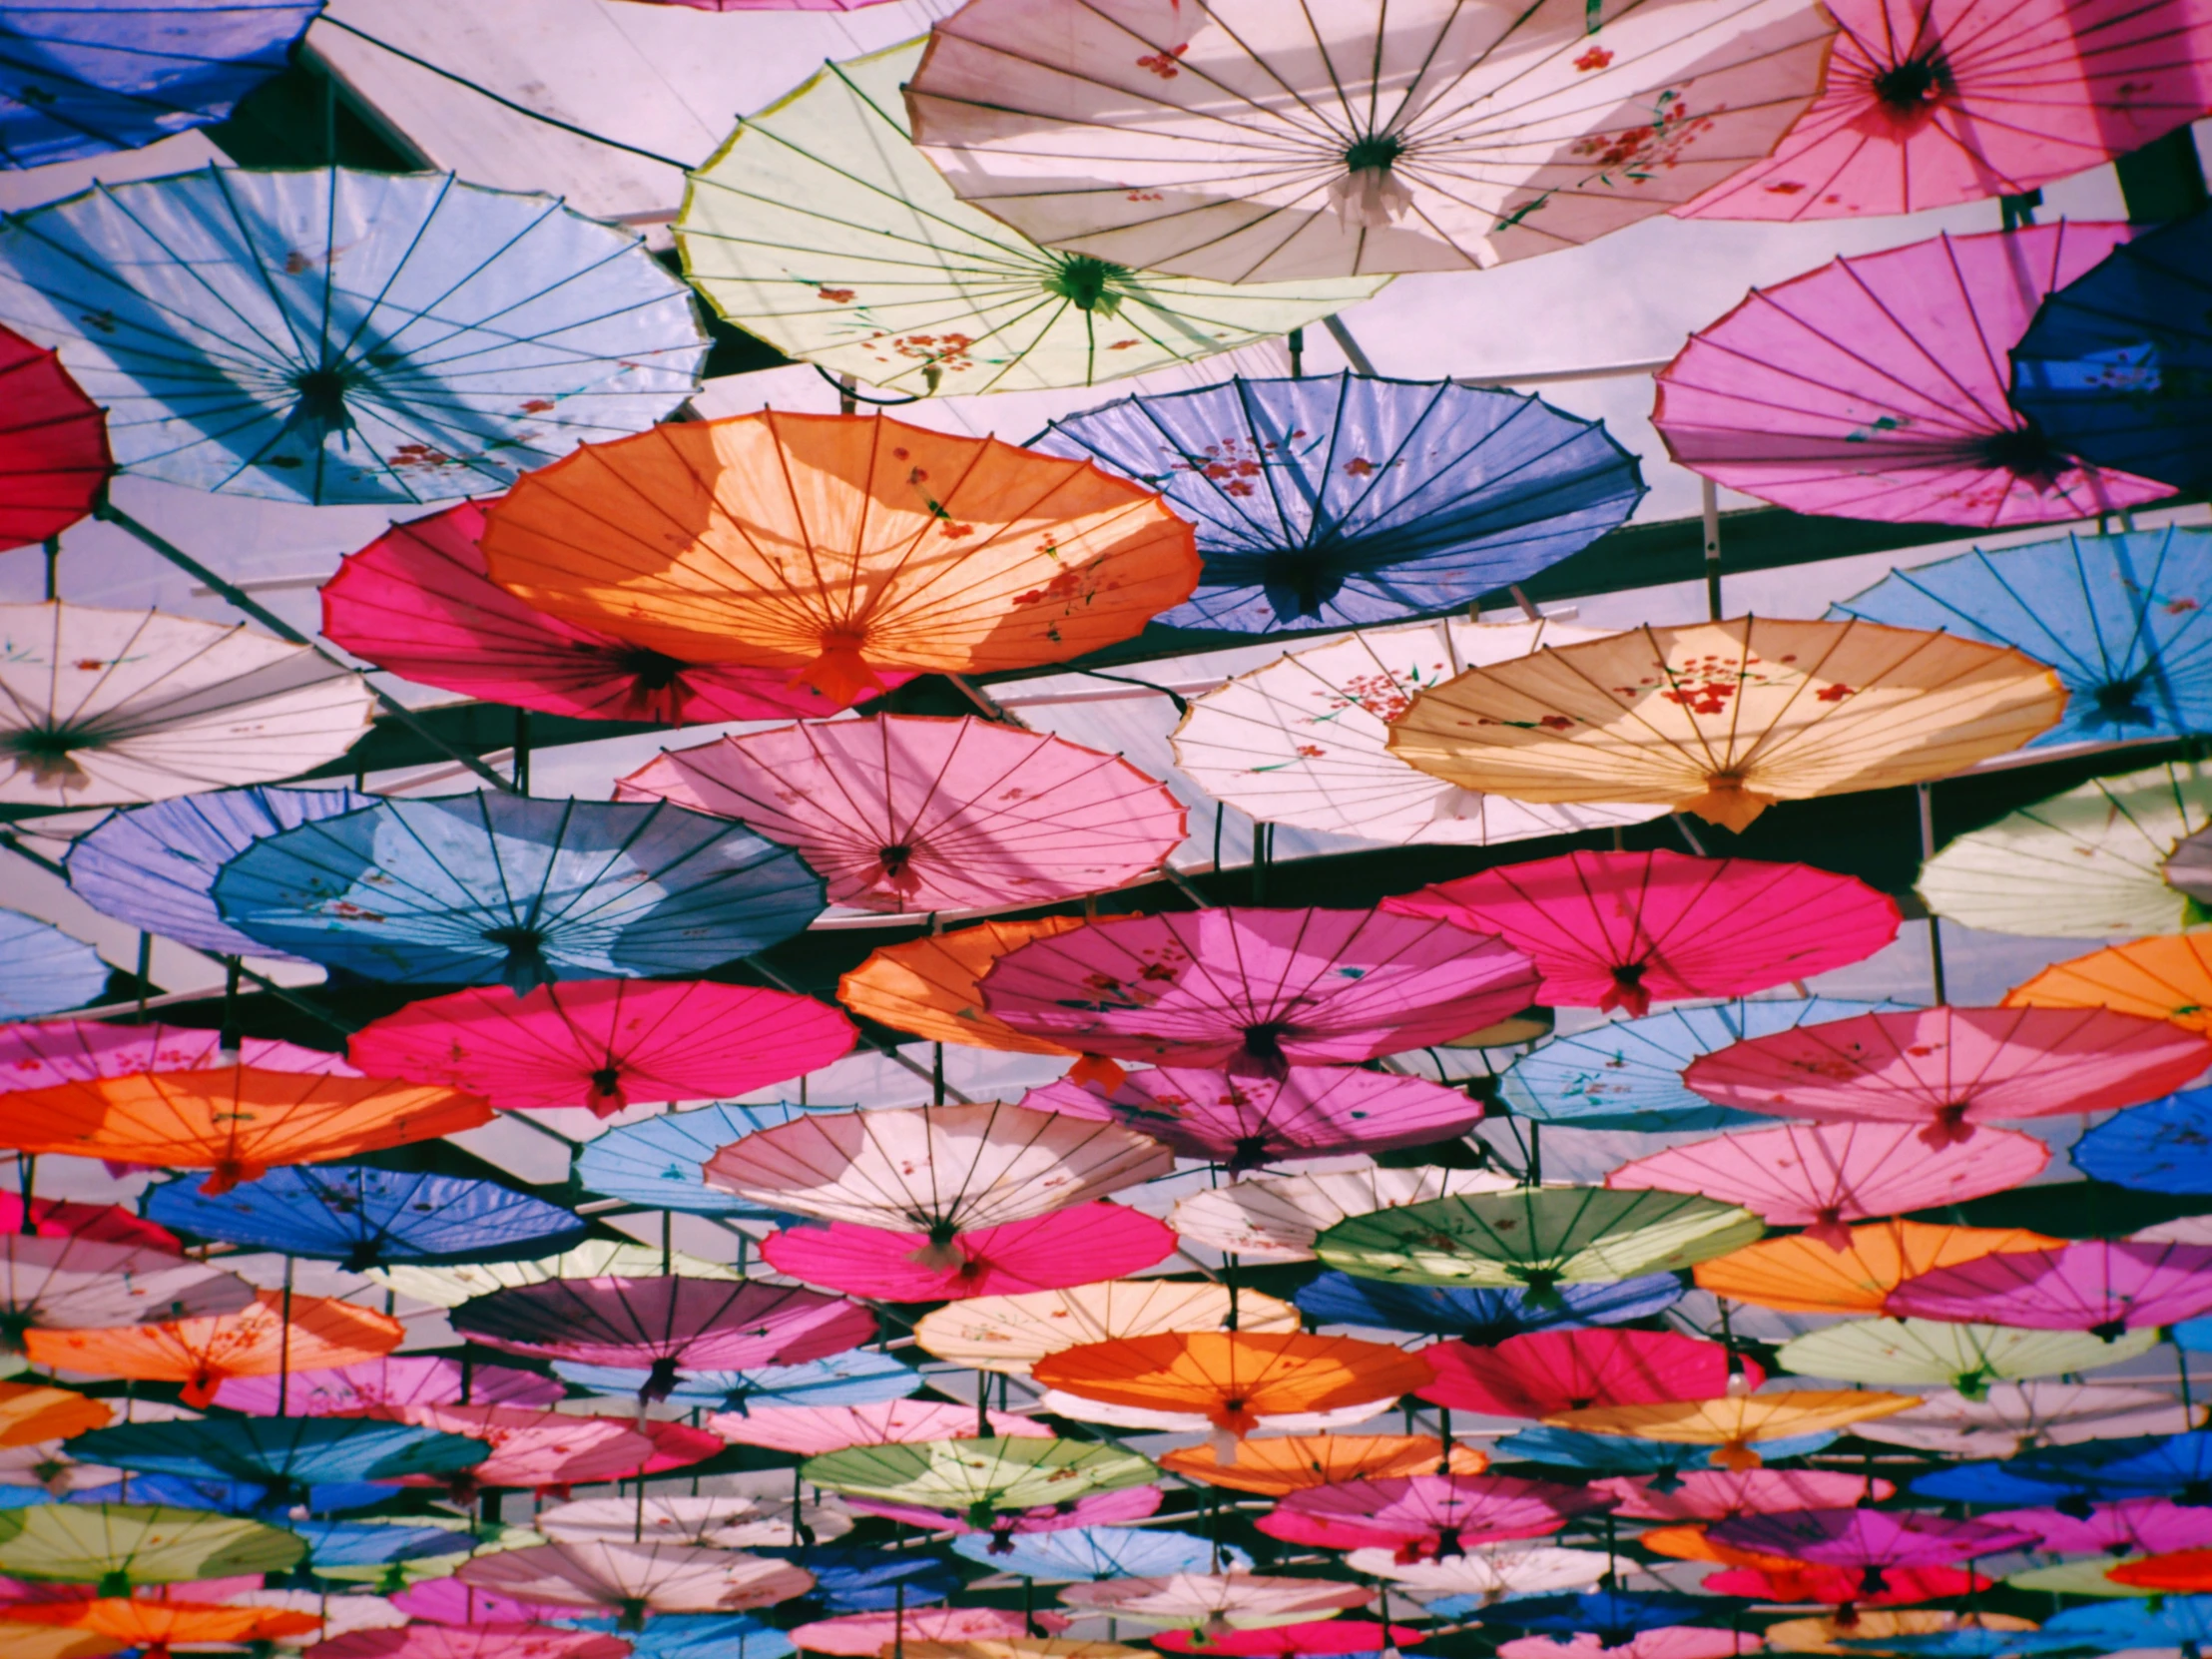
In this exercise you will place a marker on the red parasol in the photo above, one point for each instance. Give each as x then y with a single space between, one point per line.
1547 1372
54 458
1043 1253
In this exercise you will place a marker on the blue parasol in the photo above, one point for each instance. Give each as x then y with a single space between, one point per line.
1614 1616
859 1378
477 889
2131 1622
43 970
1356 499
2141 1465
292 1453
857 1580
657 1163
364 1218
2124 620
695 1636
1628 1074
340 1544
154 867
1626 1454
1082 1554
1482 1315
235 1497
2117 366
331 336
80 78
2165 1147
2000 1484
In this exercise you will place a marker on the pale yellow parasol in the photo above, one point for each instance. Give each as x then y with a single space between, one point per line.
1009 1334
1732 1425
1277 1220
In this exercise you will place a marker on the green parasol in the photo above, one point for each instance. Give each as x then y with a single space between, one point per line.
1537 1237
1968 1358
2078 1578
117 1547
820 227
978 1478
2086 864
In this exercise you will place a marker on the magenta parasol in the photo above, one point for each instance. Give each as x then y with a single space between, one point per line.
416 601
1118 1508
1871 1540
604 1044
479 1641
447 1601
1257 991
925 813
1845 1587
397 1379
1424 1517
530 1448
2133 1527
1243 1122
1044 1252
669 1324
1824 1176
1927 103
1951 1068
2100 1285
1287 1641
1876 388
1712 1494
863 1635
1674 1641
1542 1372
54 1052
1617 929
807 1431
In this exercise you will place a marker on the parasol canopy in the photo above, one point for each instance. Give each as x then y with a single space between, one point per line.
1124 1506
1322 1636
1545 1371
31 1413
1010 1334
2118 617
809 1430
1820 1176
396 1379
291 1454
1280 1220
1675 1642
1723 718
931 987
327 334
854 1377
1950 1069
2094 857
1711 1494
605 1043
1614 930
834 546
491 1640
655 1161
1258 991
2136 1525
905 813
718 1523
1536 1237
1086 1553
2156 1148
955 1632
1461 1584
87 1284
449 1287
491 889
202 1353
1801 1275
1733 1425
2167 979
117 1547
419 602
1872 1539
1305 740
820 228
1216 1601
54 456
978 1480
106 706
2099 1286
1425 1516
152 1626
43 970
1285 1463
1355 499
1611 1613
1484 1318
2012 1418
533 1449
1243 1122
1039 1253
634 1580
1875 387
1965 1357
1236 143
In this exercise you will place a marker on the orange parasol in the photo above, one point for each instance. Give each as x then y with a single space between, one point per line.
157 1626
1282 1464
1826 1635
1694 1544
840 545
1731 1425
30 1414
235 1121
1723 718
325 1334
49 1641
2186 1570
2164 978
1800 1275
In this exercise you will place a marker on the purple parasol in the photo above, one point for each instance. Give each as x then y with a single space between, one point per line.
2101 1285
1426 1517
396 1379
1119 1508
1869 1539
2134 1526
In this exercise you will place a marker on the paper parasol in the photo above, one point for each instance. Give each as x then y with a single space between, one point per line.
2012 1418
1872 1539
2166 979
978 1478
1285 1463
320 1332
83 1284
449 1287
2096 1285
1280 1220
1711 1494
153 1626
1039 1253
655 1161
1217 1601
1966 1358
116 1547
1094 1552
2136 1525
905 813
2156 1148
1284 1641
1484 1318
396 1379
1804 1276
1483 1575
633 1580
32 1413
1733 1425
483 1641
931 986
1010 1334
949 1629
1563 1370
716 1523
53 446
1124 1506
810 1431
1425 1516
1676 1641
530 1448
1723 718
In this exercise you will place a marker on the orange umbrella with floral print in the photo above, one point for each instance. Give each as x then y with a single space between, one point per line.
1803 1274
323 1332
1731 1426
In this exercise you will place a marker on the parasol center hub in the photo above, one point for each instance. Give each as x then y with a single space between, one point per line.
607 1096
1087 283
652 669
1249 1153
1298 583
323 394
1910 90
660 1382
1374 152
2026 452
2122 700
525 968
49 752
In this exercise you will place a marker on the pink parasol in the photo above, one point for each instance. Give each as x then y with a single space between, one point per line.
1243 1122
863 1635
1257 991
1927 103
416 601
471 1641
1823 1176
533 1449
65 1218
1044 1252
1674 1641
807 1430
397 1379
1118 1508
1876 388
1845 1587
2133 1527
1870 1540
1281 1641
55 1052
605 1043
2100 1285
669 1324
926 813
1951 1068
1425 1516
1618 930
1712 1494
1542 1372
448 1601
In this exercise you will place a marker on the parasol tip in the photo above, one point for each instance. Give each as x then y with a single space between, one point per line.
1096 1072
1727 801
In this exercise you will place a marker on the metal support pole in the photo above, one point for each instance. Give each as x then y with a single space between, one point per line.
1709 510
1927 796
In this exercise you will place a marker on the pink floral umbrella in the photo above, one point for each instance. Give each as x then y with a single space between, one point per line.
669 1324
1243 1122
1425 1516
1824 1176
529 1448
807 1431
2100 1285
1285 1641
1713 1494
448 1601
923 812
1927 103
1044 1252
1876 388
1258 991
864 1635
1120 1509
416 601
1542 1372
605 1043
54 1052
1676 1641
1951 1068
1870 1540
2133 1527
397 1379
486 1641
1618 930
